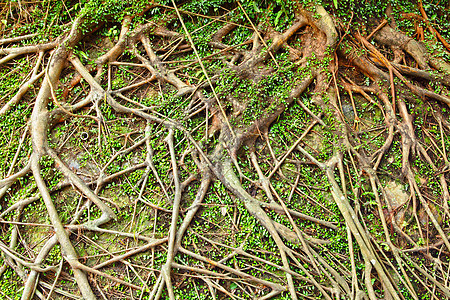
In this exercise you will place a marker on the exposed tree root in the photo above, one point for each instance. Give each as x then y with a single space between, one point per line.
234 130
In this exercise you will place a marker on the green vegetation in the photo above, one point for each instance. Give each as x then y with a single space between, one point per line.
360 153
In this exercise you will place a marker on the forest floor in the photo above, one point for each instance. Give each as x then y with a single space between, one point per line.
224 149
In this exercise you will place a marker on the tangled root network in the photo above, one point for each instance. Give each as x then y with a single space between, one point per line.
227 149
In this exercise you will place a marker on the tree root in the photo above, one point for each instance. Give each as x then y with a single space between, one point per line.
213 149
